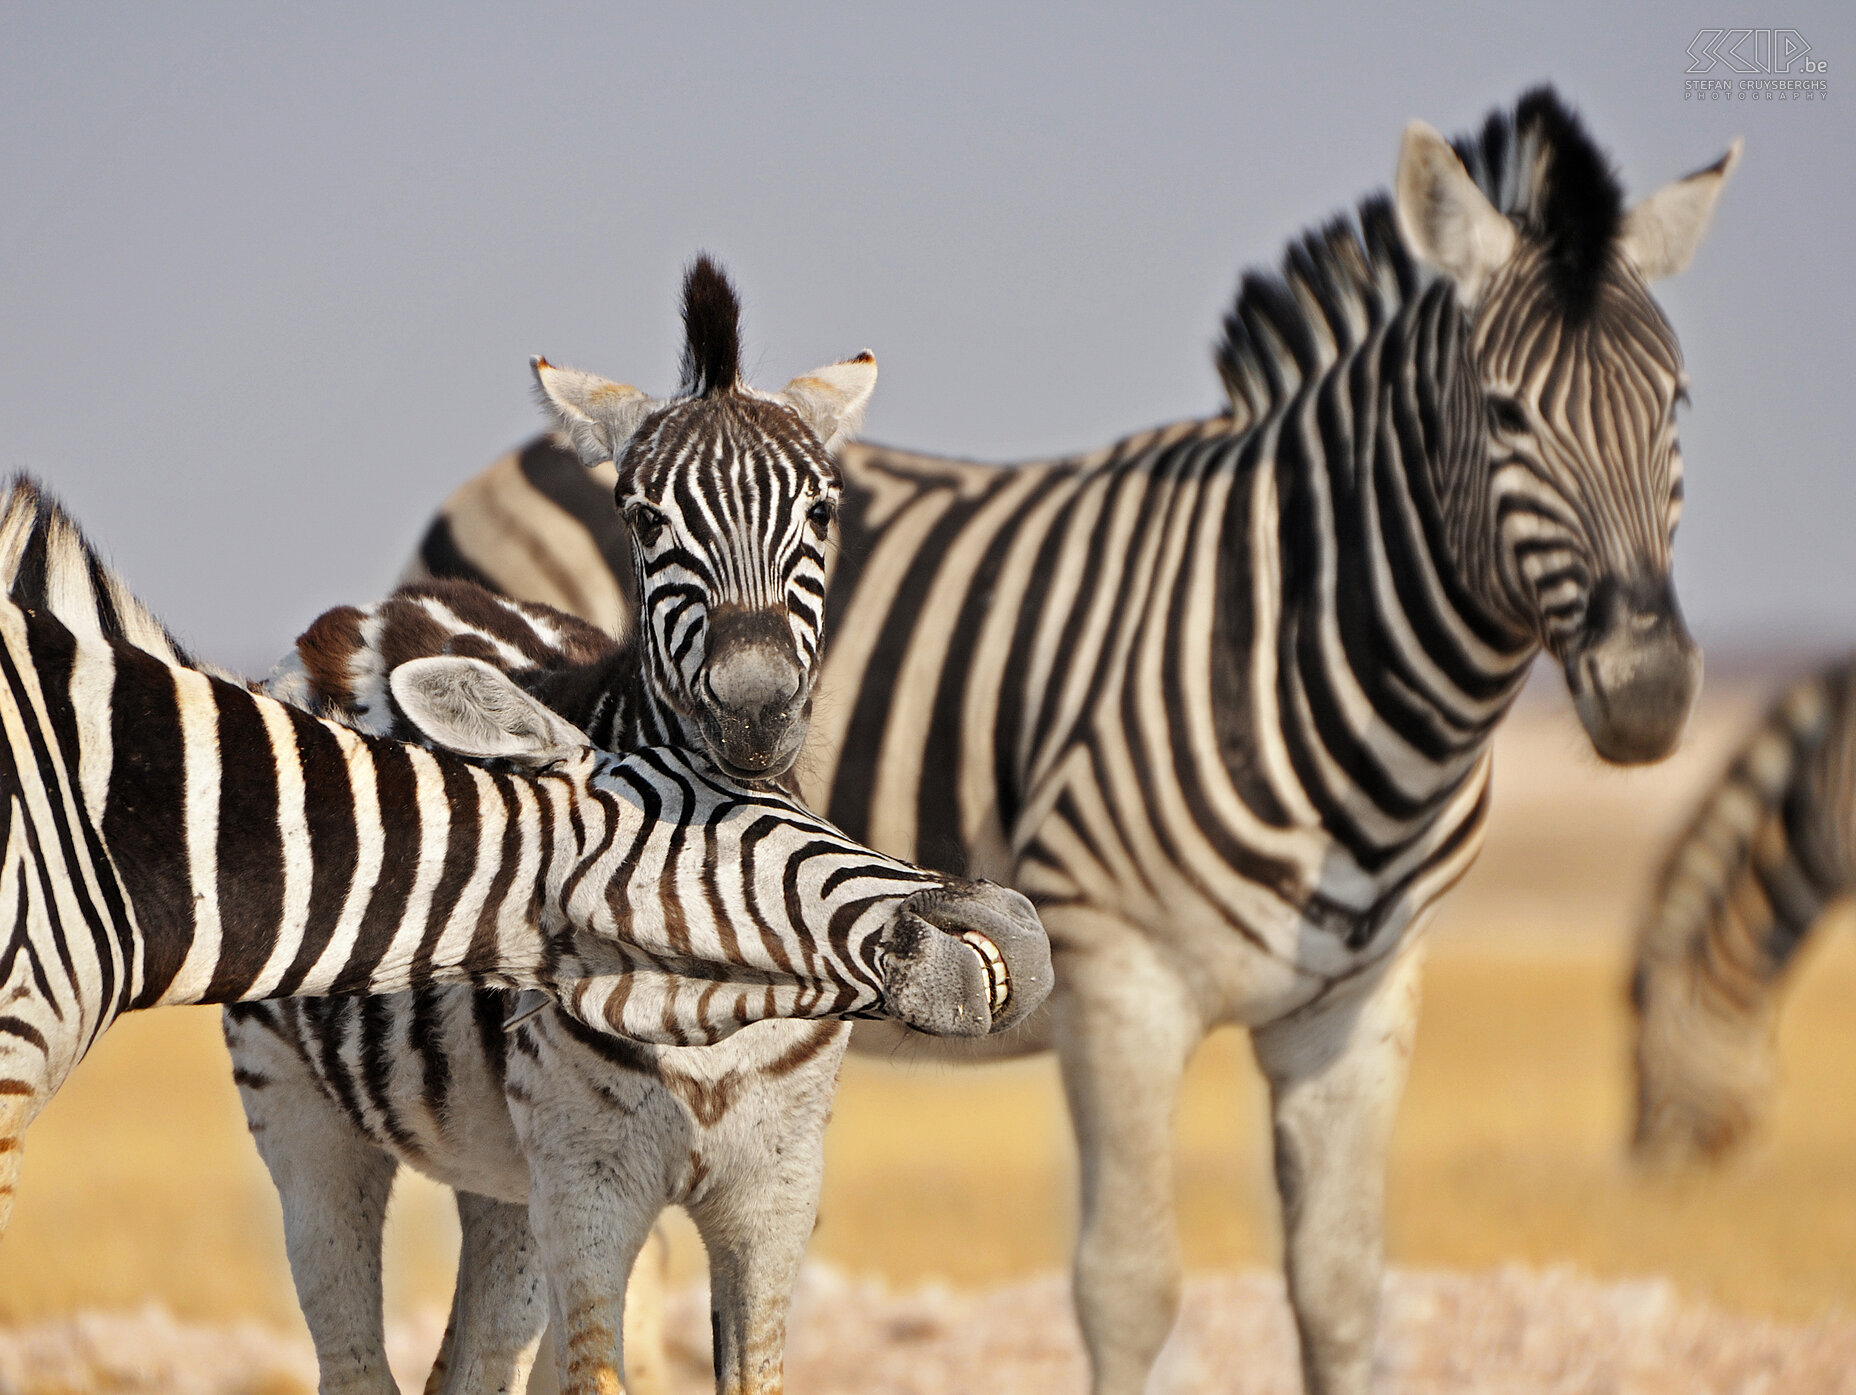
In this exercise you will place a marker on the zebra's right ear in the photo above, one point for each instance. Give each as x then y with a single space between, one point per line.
1443 217
467 706
596 414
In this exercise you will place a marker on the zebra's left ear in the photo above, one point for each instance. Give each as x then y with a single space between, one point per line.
596 414
1661 234
831 400
1444 218
469 707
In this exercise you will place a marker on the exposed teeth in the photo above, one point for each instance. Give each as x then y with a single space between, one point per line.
999 982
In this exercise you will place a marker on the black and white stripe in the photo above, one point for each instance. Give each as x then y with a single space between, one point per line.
1769 849
728 494
1220 697
172 837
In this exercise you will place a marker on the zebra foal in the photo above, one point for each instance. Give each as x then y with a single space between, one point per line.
580 1137
1769 849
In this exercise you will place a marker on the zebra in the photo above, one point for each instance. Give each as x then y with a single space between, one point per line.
1770 847
1220 697
540 1122
173 837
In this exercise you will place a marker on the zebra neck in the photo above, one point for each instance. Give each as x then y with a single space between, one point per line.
1354 610
265 853
615 702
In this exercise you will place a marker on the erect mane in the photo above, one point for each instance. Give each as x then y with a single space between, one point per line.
1537 165
48 564
711 331
1541 169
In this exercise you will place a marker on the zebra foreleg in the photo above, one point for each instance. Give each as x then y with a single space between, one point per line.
16 1111
333 1184
500 1308
1336 1073
602 1148
756 1202
1125 1026
23 1092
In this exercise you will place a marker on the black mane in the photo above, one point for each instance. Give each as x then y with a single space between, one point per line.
1538 166
1541 169
711 331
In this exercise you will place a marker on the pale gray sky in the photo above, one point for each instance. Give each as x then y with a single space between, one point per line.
269 275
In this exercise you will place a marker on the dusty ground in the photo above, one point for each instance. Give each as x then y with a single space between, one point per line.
1511 1331
140 1185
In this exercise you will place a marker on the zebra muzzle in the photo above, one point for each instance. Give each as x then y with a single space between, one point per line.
965 959
1634 679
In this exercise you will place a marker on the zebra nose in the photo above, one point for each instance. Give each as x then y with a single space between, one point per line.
750 662
1635 677
750 679
754 692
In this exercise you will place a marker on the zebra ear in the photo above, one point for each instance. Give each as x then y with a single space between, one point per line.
1443 217
1661 234
597 415
466 706
831 400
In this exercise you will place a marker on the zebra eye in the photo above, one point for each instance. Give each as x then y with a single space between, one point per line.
820 515
1507 415
647 523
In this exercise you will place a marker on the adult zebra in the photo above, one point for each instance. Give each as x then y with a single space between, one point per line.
171 837
1220 697
1769 849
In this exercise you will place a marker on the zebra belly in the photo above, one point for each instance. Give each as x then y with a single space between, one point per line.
421 1077
673 1125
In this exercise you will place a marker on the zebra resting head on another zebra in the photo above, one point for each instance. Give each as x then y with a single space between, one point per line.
1769 849
705 479
172 837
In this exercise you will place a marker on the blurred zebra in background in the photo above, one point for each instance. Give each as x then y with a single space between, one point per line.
1220 696
1768 851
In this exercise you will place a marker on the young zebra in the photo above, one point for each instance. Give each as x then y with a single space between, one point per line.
171 837
583 1136
1220 697
1769 849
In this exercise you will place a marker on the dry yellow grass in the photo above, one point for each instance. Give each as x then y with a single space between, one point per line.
140 1181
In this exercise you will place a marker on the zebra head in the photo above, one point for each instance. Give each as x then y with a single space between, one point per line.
1580 377
730 494
856 932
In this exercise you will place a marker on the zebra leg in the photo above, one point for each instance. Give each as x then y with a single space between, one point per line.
1336 1072
333 1184
18 1104
647 1350
23 1093
602 1144
1126 1025
761 1169
500 1308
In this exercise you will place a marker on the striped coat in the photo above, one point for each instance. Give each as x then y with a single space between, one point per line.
172 837
1220 697
526 1124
